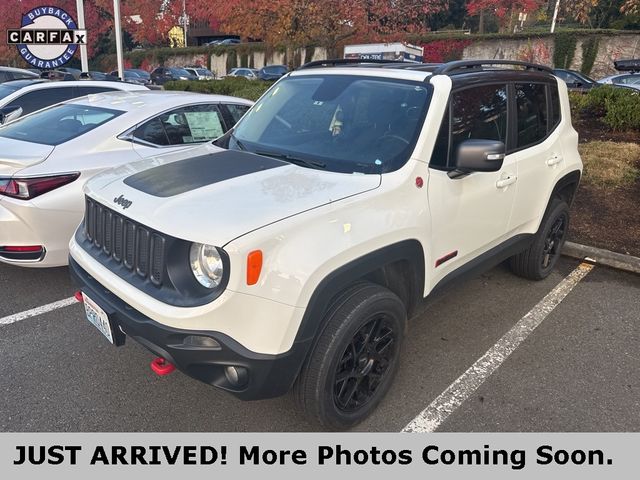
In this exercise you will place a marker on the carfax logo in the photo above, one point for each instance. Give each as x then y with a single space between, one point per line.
48 37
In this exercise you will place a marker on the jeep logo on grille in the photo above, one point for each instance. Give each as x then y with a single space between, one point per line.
123 202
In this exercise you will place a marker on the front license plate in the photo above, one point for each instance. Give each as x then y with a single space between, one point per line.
98 317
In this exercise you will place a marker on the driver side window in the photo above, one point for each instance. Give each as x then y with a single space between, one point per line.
474 113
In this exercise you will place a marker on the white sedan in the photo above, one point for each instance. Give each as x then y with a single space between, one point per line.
46 157
21 97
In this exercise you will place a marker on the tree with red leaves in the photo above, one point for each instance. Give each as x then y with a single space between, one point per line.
503 9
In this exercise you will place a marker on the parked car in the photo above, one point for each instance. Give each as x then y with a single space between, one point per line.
71 71
9 73
332 208
56 75
576 81
629 76
248 73
94 75
20 97
162 75
272 72
142 73
224 41
132 76
46 157
200 73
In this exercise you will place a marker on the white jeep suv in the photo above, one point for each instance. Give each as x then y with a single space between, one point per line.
290 253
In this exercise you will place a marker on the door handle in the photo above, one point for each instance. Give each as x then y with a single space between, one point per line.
554 160
505 182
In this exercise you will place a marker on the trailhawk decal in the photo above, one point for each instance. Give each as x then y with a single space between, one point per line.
197 172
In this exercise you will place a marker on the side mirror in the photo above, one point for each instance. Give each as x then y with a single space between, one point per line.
9 113
479 156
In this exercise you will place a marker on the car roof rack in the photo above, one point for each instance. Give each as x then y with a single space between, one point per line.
450 68
338 62
462 66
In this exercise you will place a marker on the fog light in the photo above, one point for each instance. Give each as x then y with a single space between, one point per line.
236 376
200 341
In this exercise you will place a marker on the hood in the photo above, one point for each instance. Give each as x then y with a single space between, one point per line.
214 196
16 155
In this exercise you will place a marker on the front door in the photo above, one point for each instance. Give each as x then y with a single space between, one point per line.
469 214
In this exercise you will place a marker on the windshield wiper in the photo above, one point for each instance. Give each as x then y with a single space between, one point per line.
295 160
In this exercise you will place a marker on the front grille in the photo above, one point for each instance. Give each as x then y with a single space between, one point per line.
128 243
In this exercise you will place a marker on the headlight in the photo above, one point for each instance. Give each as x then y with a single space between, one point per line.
206 265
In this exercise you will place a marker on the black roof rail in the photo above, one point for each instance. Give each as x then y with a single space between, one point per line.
345 61
459 66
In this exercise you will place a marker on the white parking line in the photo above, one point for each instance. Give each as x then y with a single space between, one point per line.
34 312
460 390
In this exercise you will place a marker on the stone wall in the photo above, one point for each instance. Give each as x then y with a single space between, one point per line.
610 48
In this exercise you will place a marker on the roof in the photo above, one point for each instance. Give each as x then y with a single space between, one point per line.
24 82
157 99
18 70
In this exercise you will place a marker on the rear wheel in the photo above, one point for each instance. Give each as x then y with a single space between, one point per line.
537 262
355 359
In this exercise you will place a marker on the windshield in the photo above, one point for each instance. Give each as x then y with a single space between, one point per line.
180 71
6 90
339 123
58 124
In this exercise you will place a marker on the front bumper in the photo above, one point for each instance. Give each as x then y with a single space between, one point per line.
267 376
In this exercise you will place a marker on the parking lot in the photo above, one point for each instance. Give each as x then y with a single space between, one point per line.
579 370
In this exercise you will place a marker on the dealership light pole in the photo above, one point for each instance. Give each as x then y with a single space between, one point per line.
84 61
118 32
555 16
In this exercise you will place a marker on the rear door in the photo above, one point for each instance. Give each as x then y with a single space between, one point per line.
470 214
537 150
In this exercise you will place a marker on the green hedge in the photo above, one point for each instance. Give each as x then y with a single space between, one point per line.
619 108
234 86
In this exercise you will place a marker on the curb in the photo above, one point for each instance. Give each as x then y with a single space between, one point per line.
601 256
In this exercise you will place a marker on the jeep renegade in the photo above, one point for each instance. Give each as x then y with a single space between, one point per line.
289 254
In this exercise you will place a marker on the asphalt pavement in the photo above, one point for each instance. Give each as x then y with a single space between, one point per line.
578 371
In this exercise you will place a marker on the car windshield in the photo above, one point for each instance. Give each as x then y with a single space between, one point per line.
584 77
340 123
6 90
58 124
180 71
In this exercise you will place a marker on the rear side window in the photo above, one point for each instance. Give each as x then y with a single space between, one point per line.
183 126
37 99
531 107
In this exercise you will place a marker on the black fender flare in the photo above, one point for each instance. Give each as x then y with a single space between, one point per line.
338 280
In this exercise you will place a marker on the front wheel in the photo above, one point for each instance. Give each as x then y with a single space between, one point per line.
355 359
537 262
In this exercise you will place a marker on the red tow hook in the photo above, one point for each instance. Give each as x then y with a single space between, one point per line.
161 367
78 296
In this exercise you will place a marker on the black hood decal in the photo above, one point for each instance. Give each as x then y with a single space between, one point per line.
184 175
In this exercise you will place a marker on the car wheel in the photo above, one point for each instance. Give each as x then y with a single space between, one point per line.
537 262
355 359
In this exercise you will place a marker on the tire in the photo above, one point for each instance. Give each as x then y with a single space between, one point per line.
336 388
537 262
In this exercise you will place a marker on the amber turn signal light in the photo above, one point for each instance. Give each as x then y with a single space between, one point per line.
254 266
